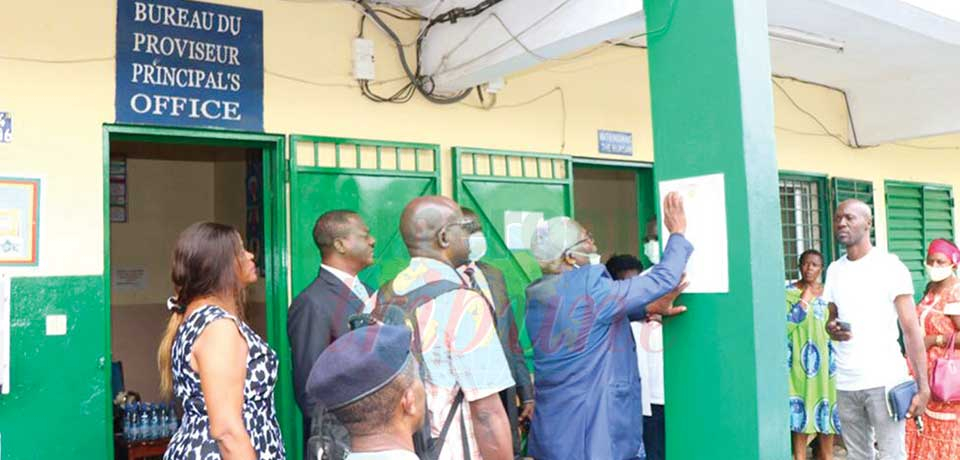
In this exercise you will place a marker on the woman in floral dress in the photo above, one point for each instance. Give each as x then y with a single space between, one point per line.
813 386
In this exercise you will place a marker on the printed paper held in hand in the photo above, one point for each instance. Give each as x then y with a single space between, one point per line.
704 202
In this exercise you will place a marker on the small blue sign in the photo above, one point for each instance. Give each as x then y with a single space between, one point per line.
186 63
6 128
615 142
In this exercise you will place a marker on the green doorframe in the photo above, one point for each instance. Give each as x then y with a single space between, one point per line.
274 234
646 197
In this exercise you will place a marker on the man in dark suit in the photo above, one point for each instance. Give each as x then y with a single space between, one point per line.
318 315
490 281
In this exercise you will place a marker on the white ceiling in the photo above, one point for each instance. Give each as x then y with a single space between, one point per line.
900 66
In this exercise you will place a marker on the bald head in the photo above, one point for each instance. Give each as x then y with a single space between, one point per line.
856 206
429 228
852 223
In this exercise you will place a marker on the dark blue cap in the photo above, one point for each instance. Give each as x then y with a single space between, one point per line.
358 364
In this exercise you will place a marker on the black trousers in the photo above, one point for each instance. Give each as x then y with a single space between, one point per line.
654 434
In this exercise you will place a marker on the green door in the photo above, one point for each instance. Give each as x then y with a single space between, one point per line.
374 178
510 191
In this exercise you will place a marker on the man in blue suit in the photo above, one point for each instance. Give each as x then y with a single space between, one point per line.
587 384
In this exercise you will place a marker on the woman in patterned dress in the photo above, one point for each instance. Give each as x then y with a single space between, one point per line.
939 313
813 388
222 372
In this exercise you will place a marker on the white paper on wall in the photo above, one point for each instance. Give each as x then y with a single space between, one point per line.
130 279
704 201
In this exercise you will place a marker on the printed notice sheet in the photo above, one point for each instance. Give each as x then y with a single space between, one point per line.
704 201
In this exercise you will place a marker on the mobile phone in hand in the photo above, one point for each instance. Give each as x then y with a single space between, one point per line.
843 326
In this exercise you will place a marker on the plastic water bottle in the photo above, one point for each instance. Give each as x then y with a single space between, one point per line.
173 422
143 421
155 428
127 421
134 416
163 426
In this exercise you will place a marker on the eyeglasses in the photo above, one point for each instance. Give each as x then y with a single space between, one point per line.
578 243
468 225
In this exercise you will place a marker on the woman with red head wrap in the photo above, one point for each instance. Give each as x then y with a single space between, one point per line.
939 313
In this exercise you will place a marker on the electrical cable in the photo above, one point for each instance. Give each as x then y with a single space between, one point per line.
563 109
416 79
58 61
441 67
924 147
516 38
807 113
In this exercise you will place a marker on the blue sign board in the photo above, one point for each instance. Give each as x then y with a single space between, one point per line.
6 128
615 142
186 63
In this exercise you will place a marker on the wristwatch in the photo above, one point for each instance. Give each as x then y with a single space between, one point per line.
940 340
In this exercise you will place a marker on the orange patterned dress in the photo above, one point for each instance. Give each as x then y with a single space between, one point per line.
941 421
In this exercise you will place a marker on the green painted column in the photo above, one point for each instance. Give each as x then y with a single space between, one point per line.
725 359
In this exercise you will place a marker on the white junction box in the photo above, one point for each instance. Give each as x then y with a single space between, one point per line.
56 325
363 66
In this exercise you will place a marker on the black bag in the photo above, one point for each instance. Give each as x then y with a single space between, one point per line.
401 310
328 438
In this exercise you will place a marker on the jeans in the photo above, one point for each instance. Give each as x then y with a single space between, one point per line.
864 418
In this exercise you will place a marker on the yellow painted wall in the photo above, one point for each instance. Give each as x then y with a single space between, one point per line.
59 109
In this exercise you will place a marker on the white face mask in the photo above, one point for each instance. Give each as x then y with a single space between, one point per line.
593 257
651 249
478 246
937 274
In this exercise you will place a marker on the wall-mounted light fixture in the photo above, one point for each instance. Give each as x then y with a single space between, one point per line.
799 37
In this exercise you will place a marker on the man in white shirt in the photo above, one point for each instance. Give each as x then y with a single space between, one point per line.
868 291
319 314
648 336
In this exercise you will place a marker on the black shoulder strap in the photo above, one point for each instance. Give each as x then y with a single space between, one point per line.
398 309
438 446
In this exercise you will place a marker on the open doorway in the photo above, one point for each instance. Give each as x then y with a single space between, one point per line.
614 201
158 182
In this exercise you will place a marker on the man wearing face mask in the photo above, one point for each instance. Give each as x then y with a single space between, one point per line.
587 384
651 245
490 281
456 333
